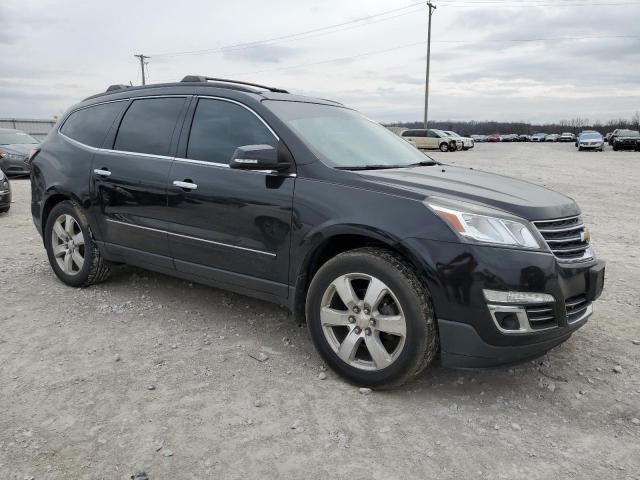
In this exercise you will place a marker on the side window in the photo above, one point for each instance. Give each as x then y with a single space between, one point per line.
148 125
219 127
433 134
421 133
406 133
90 125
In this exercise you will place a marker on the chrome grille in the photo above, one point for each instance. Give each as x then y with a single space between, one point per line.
541 316
566 238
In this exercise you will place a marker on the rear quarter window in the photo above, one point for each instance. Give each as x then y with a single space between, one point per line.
91 124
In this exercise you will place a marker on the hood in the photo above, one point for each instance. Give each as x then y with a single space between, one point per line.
19 148
518 197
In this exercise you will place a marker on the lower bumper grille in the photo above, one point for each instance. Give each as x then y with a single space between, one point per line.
541 316
576 308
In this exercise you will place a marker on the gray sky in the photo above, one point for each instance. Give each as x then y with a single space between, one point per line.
53 53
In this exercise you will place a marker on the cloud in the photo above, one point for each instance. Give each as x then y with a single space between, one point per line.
262 54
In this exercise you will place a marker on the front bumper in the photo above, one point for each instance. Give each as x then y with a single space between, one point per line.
14 167
457 274
591 145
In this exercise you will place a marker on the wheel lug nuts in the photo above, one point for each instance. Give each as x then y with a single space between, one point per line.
367 331
372 322
356 310
352 319
366 311
357 330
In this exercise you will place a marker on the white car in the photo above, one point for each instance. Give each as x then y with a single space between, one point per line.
467 142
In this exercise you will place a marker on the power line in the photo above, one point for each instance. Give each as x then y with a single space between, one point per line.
526 4
294 35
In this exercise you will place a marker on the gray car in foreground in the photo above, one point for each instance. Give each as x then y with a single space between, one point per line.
15 149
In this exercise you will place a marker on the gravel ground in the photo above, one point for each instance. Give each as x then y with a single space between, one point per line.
150 373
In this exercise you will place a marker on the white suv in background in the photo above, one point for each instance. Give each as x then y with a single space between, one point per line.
467 142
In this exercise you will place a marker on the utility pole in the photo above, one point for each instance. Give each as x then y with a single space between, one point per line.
432 7
142 64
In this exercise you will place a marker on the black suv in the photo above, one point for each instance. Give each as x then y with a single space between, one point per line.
393 258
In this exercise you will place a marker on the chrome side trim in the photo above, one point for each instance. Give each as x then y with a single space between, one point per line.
561 229
192 238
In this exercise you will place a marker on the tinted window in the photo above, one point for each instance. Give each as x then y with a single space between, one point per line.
433 134
90 125
148 125
220 127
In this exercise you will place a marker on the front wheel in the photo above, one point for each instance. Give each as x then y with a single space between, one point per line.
72 252
444 147
371 318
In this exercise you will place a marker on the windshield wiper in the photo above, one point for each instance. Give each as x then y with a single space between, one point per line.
425 163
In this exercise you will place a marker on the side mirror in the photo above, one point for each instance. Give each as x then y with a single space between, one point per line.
257 157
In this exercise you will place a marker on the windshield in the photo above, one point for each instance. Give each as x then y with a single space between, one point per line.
14 138
588 136
629 133
345 139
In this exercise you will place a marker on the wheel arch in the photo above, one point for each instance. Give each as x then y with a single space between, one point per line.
335 242
53 198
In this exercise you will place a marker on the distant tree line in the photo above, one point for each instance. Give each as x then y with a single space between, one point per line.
574 125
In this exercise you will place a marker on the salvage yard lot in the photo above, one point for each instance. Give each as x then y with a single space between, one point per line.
150 373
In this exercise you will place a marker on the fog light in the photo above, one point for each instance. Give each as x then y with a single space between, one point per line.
508 321
497 296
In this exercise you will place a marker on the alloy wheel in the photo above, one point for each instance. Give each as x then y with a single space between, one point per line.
67 243
363 321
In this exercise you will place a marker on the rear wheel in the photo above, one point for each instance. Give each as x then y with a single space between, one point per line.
371 318
73 255
444 147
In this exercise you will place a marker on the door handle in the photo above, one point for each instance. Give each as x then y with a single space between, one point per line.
186 185
103 172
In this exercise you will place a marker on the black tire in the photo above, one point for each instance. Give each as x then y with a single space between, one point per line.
95 268
615 147
579 149
453 147
421 340
444 147
5 209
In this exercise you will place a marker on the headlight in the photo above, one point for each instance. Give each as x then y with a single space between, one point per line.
11 156
483 224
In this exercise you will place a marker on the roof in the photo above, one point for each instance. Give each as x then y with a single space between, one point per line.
195 81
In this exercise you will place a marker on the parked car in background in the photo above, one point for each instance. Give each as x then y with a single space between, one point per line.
479 138
567 137
524 138
510 138
5 193
494 138
15 149
607 137
553 137
432 140
583 132
538 137
625 140
467 142
391 258
591 141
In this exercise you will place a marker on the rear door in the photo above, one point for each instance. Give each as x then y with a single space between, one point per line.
231 226
131 179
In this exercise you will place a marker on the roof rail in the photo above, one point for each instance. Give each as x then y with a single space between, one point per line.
198 78
112 88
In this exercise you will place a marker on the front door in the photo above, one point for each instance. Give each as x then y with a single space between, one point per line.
231 226
131 179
